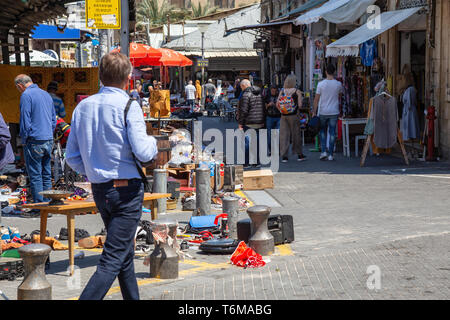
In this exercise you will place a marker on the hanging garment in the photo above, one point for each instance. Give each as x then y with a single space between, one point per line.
368 52
385 117
409 124
368 130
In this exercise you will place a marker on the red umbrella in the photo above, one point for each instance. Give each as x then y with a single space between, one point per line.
143 55
171 58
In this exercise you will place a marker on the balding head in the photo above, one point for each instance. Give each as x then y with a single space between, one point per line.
190 82
245 84
22 81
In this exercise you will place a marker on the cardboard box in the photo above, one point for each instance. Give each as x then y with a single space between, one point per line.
258 179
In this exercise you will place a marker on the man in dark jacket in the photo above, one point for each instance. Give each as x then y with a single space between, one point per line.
6 152
251 115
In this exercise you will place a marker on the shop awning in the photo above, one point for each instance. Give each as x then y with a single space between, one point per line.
349 44
47 32
221 54
258 26
336 11
304 7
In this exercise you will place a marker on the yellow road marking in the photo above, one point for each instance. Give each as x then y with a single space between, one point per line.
201 266
242 195
285 250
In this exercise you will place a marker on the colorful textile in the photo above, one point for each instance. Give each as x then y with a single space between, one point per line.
246 257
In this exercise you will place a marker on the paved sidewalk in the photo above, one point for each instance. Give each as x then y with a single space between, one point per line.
384 222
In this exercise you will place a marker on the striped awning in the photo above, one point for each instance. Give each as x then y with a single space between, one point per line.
349 44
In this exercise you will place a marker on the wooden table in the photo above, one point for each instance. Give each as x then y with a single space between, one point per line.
73 208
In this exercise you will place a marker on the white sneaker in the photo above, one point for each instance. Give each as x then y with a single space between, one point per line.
330 158
323 156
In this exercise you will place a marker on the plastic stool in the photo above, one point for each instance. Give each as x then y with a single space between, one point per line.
357 138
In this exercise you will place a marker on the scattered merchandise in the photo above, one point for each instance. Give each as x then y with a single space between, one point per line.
11 268
246 257
224 245
280 226
79 234
52 242
92 242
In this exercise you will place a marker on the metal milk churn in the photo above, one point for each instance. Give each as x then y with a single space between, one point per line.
261 240
164 258
34 285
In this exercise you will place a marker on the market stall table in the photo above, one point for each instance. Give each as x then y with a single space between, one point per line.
73 208
346 123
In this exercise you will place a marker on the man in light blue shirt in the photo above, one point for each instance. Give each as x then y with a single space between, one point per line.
101 146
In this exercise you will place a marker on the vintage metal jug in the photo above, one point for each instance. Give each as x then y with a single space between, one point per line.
261 240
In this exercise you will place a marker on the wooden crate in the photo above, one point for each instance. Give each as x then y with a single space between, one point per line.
258 179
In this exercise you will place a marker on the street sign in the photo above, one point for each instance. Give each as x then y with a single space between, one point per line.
202 63
103 14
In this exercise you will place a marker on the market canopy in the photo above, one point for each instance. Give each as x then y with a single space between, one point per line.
349 44
47 32
304 7
215 39
336 11
37 58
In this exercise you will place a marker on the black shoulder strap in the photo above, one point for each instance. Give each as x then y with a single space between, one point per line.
138 167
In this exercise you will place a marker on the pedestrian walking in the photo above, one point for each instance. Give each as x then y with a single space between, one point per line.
326 106
198 91
210 90
230 91
273 115
37 124
190 93
60 110
250 115
103 146
6 151
289 103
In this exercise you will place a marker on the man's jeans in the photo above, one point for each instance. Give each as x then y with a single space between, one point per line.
191 103
248 149
38 155
271 123
121 210
328 122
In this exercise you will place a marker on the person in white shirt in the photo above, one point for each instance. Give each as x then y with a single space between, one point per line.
230 91
326 106
190 95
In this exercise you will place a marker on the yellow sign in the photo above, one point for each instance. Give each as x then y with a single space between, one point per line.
103 14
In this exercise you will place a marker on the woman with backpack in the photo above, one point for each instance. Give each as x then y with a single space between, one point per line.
289 102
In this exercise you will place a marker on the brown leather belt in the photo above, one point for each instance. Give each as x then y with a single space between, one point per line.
120 183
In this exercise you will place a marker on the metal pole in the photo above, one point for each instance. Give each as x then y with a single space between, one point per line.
124 28
202 191
160 186
203 57
230 206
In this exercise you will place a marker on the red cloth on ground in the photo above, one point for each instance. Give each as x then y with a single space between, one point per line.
246 257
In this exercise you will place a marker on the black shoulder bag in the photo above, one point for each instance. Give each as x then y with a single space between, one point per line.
136 161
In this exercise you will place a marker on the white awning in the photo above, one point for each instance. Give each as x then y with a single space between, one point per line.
349 44
336 11
221 54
